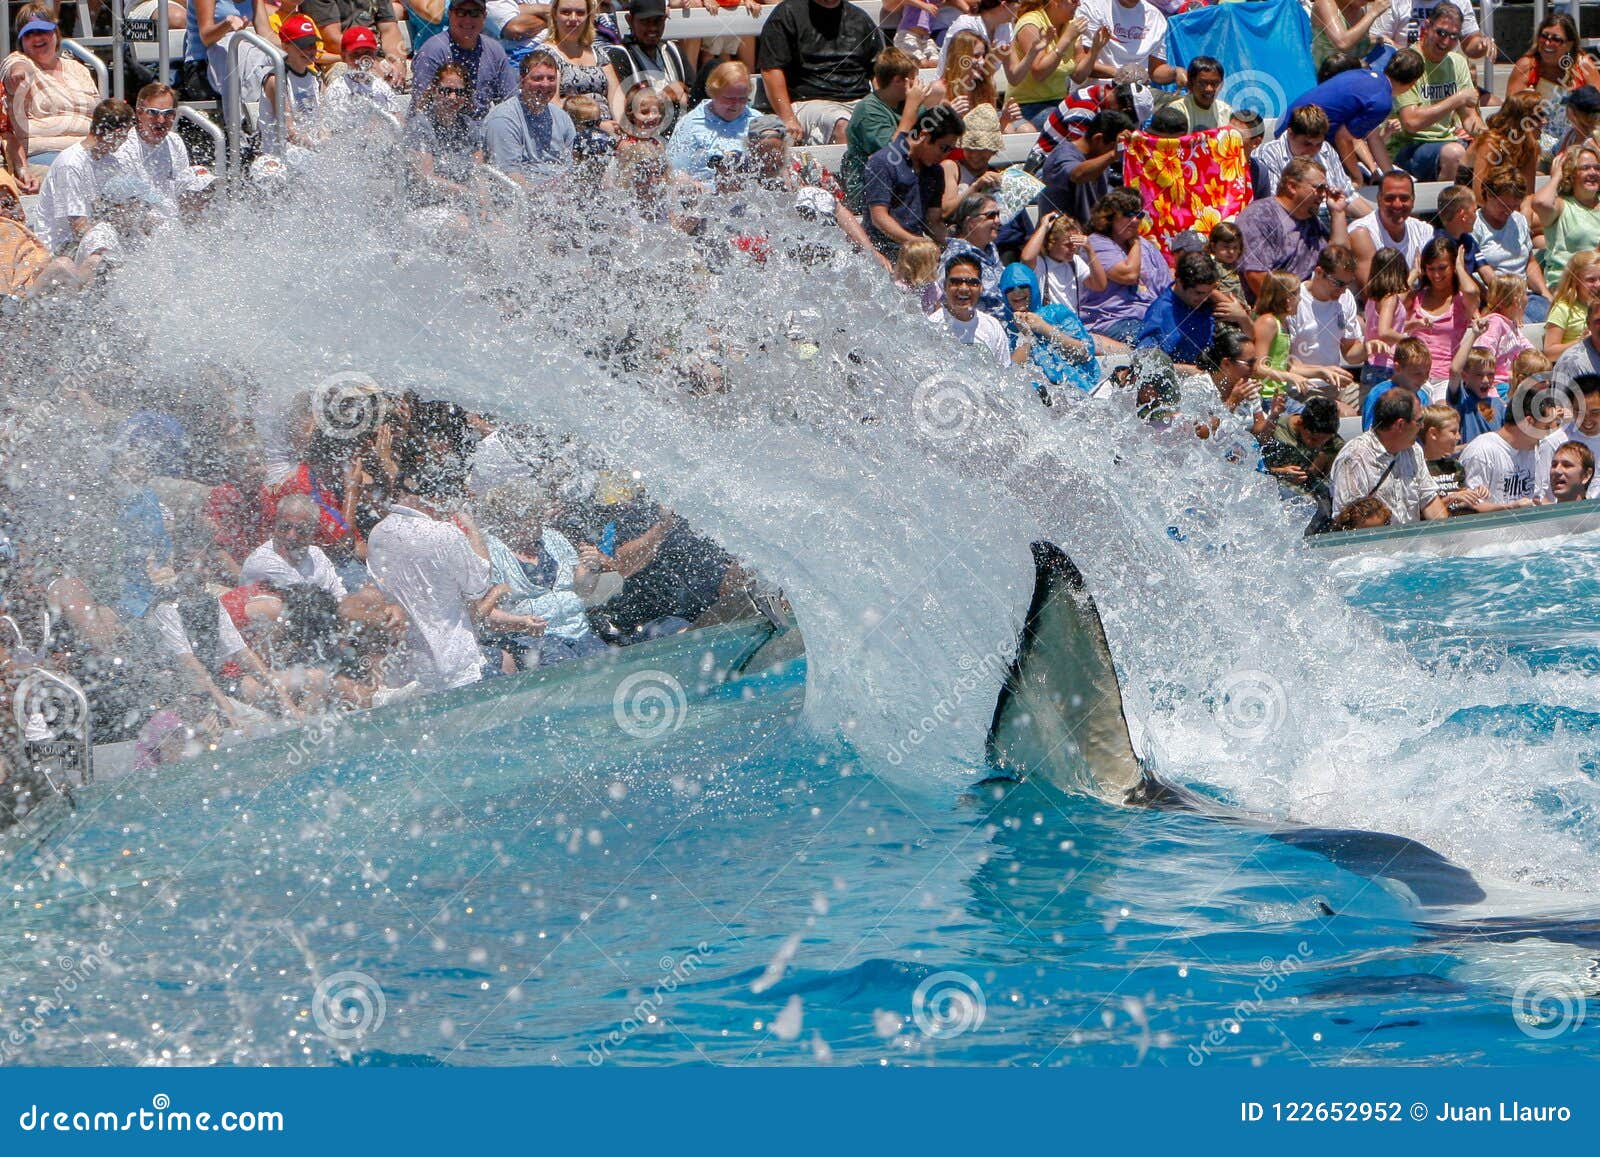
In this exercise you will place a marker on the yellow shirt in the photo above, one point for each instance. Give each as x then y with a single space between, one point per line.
1032 90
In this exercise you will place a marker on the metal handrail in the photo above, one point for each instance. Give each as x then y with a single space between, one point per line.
102 77
233 98
206 125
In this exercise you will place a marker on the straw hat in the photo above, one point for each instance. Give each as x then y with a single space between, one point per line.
983 129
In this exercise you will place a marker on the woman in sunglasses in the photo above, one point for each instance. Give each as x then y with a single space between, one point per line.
973 228
442 141
1553 67
1136 272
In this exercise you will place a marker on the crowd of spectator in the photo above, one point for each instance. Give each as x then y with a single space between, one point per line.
297 570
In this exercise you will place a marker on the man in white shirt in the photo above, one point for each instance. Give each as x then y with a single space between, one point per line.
1402 26
1580 360
1386 463
1505 462
1326 329
358 88
153 149
437 568
1136 50
77 177
1392 226
288 558
1584 428
963 286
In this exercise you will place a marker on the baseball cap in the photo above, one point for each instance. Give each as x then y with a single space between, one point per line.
295 27
35 25
765 126
464 5
644 9
358 37
196 179
1584 98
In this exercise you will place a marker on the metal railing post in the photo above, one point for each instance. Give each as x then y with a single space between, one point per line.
102 77
208 126
233 98
163 49
117 85
1487 27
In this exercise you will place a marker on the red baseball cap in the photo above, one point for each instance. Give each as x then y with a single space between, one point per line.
297 26
358 37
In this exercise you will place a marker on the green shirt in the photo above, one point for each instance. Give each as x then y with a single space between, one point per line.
1202 118
1284 448
1438 82
872 126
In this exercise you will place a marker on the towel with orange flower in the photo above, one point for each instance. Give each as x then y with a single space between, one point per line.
1187 182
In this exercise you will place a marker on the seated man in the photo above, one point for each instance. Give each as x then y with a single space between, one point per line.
1182 319
289 557
1584 430
1439 113
1199 104
1571 476
77 177
1505 461
905 182
526 136
1391 227
963 286
490 74
1386 463
1284 232
1076 174
1306 136
1302 447
816 59
157 152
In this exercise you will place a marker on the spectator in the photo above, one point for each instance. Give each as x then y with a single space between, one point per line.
1440 111
1061 258
26 267
1306 136
1581 359
1575 295
967 170
914 36
1472 394
960 315
1567 207
585 69
1326 333
1199 104
1182 320
1511 142
1553 67
526 136
1456 213
1582 432
198 633
969 85
1226 245
1343 26
442 144
77 178
157 153
1571 474
1505 240
1356 102
1231 365
1136 272
1386 463
290 557
973 226
816 59
336 19
877 116
1363 514
1284 232
1504 304
1407 20
1412 365
48 97
207 36
1441 437
717 127
817 194
994 21
1076 174
1135 49
645 56
489 72
916 270
1047 37
1059 346
1384 314
905 181
1391 227
1301 447
358 87
1505 461
1443 301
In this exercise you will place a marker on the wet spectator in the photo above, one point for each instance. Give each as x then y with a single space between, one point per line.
1060 348
337 19
1567 207
715 128
49 97
77 178
1284 231
1363 514
1505 241
1440 439
358 87
293 117
1200 105
157 153
1385 462
1326 333
917 271
816 60
1575 294
1356 102
1306 135
1059 254
960 315
490 74
442 142
1300 450
973 226
526 136
1136 272
645 56
1182 320
1391 227
217 665
1076 174
877 116
1439 113
585 69
1571 475
290 556
1582 432
905 182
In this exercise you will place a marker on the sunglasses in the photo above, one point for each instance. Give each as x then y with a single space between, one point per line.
160 113
969 281
1551 38
450 90
991 215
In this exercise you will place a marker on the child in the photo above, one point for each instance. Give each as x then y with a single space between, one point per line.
1275 306
644 114
1441 436
1569 308
1503 305
299 122
1471 392
1363 514
914 36
1062 261
592 146
1528 363
1412 363
917 269
1227 250
1385 314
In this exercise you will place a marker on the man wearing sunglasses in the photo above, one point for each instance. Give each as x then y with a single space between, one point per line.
963 285
155 150
1438 114
1285 231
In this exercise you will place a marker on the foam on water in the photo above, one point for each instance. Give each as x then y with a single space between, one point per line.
890 482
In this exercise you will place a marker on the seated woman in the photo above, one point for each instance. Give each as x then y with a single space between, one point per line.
443 152
26 267
546 577
1060 348
1136 271
968 76
49 97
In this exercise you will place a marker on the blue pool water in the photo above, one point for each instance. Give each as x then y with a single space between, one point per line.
553 889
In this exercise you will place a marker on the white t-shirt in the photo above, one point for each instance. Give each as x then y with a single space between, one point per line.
70 189
1418 234
1547 452
1507 248
162 163
1318 326
972 22
1273 157
1136 33
1405 490
982 329
169 628
352 92
1510 475
1061 282
266 565
1403 22
429 568
305 107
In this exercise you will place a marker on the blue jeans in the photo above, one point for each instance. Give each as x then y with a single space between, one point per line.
1037 112
1124 331
1421 159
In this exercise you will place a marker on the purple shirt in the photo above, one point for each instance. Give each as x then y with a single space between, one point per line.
1104 308
1275 240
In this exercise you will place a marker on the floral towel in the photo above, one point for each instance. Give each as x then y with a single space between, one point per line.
1187 182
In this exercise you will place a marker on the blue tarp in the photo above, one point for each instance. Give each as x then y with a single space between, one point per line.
1264 46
